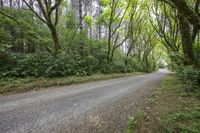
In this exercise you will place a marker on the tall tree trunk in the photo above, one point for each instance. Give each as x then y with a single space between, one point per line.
19 4
31 47
127 55
99 31
31 4
186 39
81 23
187 12
11 3
109 47
54 35
15 47
109 36
196 28
99 13
1 3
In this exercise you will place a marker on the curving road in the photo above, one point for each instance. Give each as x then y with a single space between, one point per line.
52 110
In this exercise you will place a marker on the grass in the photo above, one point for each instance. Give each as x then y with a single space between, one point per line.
169 110
19 85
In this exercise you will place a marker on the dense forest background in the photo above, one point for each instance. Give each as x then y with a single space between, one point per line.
55 38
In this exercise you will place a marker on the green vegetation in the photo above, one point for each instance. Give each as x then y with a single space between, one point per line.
61 65
189 77
67 38
169 110
38 43
62 38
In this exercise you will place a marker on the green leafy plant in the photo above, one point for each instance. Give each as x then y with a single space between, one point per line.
189 76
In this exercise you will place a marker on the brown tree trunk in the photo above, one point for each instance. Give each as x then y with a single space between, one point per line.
184 9
31 47
31 4
99 13
1 3
10 2
127 55
186 40
81 23
189 14
19 4
54 35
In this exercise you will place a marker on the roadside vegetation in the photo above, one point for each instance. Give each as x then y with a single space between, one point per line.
19 85
43 42
170 110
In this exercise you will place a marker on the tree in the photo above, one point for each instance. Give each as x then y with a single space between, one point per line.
136 26
81 22
116 16
165 22
189 21
93 36
49 15
1 3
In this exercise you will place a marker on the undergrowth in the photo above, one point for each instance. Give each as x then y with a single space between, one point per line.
170 110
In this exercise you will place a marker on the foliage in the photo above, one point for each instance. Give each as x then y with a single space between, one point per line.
70 22
189 76
132 123
35 46
47 65
88 20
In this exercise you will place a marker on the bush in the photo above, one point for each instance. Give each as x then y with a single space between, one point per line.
47 65
189 76
115 67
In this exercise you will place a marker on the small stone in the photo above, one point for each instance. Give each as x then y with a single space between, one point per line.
148 108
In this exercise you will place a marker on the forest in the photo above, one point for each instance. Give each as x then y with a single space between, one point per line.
63 38
59 38
51 43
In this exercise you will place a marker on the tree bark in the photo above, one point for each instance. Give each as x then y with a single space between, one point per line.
187 19
186 40
81 23
1 3
99 13
184 9
10 3
127 55
54 35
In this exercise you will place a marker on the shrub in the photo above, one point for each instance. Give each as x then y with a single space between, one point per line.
47 65
189 76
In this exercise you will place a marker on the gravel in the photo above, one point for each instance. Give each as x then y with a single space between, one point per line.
101 106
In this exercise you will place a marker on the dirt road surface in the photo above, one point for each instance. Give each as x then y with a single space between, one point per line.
93 107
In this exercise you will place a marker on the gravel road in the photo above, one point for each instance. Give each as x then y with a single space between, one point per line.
86 108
